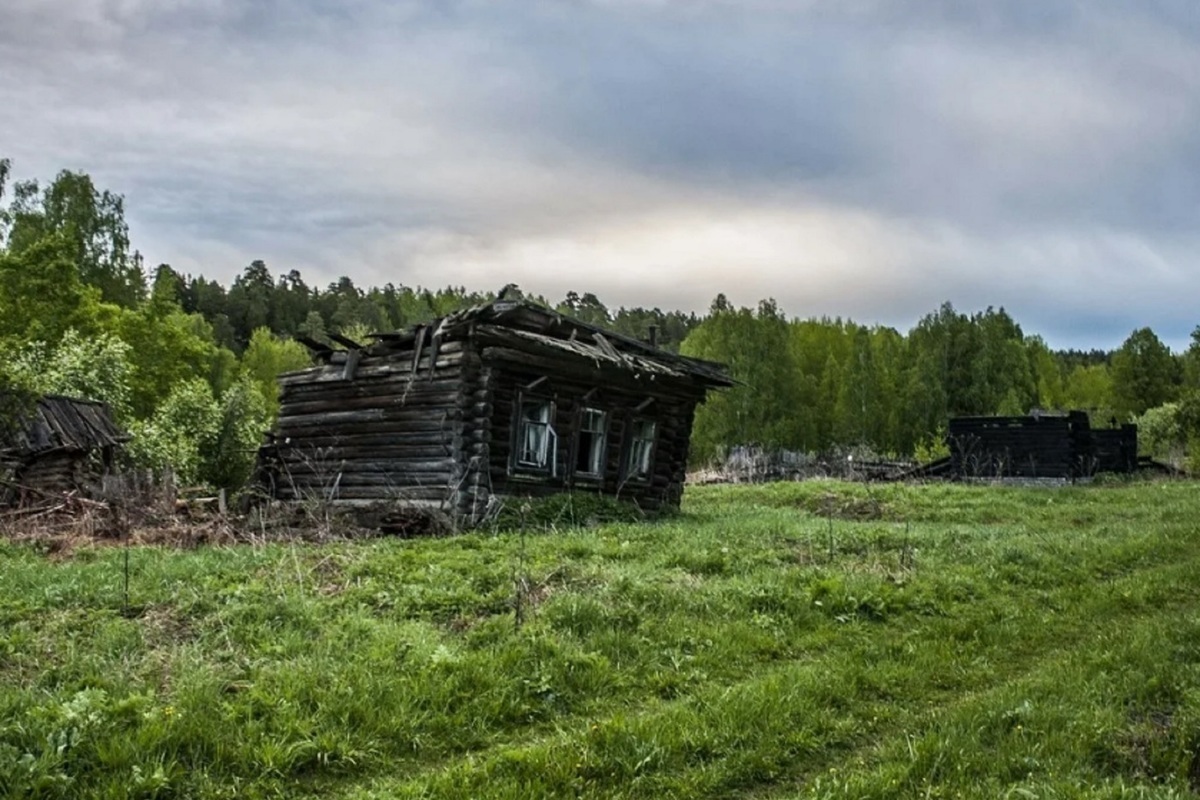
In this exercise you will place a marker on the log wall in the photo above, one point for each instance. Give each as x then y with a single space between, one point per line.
60 471
1039 447
434 424
1115 450
54 472
1023 447
380 425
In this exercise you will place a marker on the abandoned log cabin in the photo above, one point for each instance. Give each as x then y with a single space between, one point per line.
505 399
56 444
1040 446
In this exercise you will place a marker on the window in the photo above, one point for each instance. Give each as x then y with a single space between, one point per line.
640 457
537 443
589 446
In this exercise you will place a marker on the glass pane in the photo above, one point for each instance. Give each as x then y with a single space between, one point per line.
533 444
536 412
593 420
641 447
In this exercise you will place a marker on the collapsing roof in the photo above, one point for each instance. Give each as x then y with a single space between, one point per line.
531 327
53 444
61 424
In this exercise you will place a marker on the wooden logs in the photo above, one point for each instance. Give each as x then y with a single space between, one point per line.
434 418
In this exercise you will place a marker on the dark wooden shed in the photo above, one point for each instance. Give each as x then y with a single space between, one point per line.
57 444
1060 446
505 399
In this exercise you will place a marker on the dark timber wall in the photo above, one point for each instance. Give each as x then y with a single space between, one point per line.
371 427
1115 450
1038 447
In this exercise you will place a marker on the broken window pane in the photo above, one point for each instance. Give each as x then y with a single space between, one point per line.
535 435
589 449
641 448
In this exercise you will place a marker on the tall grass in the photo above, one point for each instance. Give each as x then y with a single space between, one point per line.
790 640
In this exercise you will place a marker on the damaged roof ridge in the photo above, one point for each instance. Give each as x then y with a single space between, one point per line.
72 399
506 313
60 422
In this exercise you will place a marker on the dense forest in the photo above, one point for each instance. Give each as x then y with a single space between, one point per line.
188 365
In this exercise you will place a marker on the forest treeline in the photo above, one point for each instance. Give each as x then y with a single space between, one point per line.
188 365
816 384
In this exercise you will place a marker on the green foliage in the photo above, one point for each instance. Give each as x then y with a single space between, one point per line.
228 460
92 368
313 326
587 308
169 347
266 358
836 383
1049 376
88 227
42 296
1144 374
1089 387
180 433
17 400
203 438
974 642
932 448
754 346
1161 432
671 327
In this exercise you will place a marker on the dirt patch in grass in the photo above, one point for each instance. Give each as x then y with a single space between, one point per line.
163 626
855 508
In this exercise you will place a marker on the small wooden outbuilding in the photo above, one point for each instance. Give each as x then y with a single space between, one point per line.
1062 446
57 444
505 399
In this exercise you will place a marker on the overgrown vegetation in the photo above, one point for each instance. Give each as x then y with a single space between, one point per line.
773 641
80 315
566 510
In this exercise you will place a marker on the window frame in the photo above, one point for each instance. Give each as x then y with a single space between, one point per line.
549 445
631 463
599 449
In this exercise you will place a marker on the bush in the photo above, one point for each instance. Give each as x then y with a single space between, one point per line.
92 368
1160 433
201 438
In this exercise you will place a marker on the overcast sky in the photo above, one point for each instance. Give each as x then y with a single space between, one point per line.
867 159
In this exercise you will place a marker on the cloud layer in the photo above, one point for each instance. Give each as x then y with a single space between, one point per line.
867 159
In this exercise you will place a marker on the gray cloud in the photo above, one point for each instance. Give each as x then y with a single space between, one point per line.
864 158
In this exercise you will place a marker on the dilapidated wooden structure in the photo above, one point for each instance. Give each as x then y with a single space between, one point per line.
56 444
1038 446
505 399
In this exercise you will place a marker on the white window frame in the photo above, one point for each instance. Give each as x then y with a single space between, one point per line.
594 421
536 441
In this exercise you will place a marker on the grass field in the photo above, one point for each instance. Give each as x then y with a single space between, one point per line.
810 640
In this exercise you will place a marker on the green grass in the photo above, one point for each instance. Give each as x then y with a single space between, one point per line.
812 640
